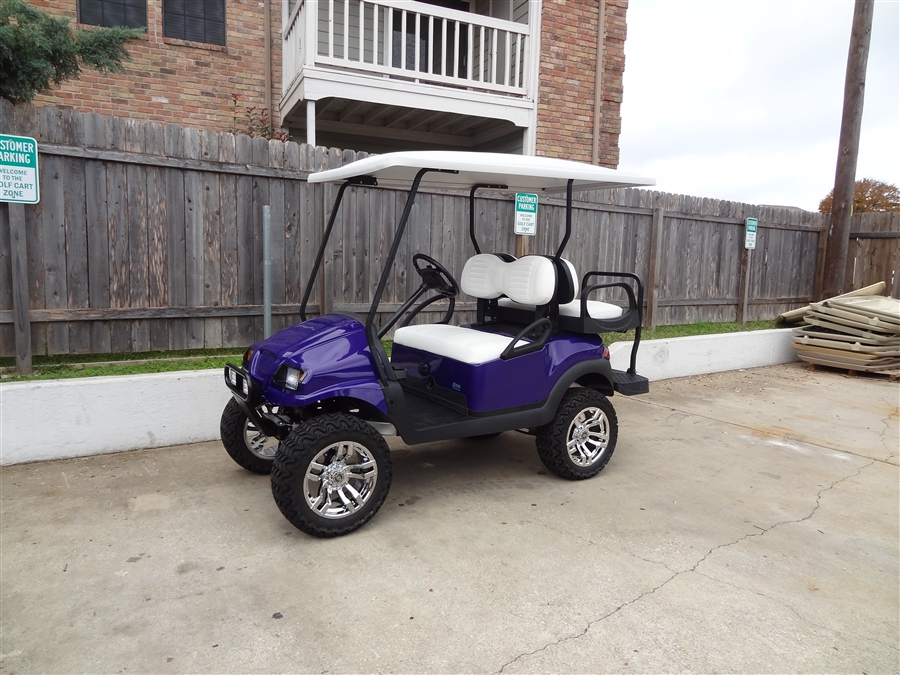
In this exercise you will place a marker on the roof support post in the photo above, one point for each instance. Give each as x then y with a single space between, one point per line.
562 246
311 123
321 253
389 261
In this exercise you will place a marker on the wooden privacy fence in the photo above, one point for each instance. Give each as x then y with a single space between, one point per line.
148 237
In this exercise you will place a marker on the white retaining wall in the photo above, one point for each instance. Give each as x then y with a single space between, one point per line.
57 419
699 354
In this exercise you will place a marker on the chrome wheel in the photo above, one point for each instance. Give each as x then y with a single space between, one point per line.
331 474
340 479
246 444
588 437
581 438
258 443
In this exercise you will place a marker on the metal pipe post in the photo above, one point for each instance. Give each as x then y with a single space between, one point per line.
267 271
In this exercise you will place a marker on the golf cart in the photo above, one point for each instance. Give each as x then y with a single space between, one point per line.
312 403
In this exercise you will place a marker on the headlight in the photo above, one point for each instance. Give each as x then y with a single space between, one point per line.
289 378
292 378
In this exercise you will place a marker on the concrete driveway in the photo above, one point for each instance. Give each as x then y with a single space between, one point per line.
748 522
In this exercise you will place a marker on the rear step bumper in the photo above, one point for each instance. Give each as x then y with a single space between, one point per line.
630 384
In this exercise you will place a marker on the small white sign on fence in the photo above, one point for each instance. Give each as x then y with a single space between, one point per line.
526 214
750 233
19 170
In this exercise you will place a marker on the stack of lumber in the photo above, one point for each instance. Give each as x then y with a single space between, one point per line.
852 333
795 316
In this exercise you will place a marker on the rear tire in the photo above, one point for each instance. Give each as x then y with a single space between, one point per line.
247 445
331 475
581 438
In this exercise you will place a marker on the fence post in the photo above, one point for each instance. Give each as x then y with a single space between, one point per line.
523 245
819 287
744 286
21 317
652 316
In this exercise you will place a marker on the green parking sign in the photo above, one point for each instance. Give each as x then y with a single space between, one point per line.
526 214
19 170
750 233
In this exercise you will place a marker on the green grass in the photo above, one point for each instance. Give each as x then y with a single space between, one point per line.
133 363
137 363
688 329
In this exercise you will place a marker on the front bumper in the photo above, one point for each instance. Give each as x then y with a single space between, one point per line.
249 396
241 384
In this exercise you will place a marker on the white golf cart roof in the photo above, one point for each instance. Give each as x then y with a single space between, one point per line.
516 172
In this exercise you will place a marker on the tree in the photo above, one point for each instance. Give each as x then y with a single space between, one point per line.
38 51
868 195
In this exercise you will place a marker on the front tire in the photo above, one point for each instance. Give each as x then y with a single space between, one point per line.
247 445
581 438
331 475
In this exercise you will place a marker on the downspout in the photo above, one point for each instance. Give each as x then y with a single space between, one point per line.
534 77
598 79
267 21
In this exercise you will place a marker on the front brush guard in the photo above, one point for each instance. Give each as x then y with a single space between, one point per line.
246 392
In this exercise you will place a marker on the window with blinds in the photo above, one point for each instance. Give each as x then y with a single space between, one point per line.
195 20
109 13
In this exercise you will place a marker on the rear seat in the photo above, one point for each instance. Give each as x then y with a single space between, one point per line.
529 281
595 308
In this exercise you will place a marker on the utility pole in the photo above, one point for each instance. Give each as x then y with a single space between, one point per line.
845 174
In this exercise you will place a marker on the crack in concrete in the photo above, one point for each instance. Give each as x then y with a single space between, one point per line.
884 439
590 625
590 542
798 614
640 597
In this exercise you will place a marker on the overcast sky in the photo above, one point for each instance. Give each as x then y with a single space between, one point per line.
742 99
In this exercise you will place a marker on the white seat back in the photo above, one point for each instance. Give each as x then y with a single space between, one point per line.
530 280
482 276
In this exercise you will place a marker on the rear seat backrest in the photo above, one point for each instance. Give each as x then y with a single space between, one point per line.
575 281
530 280
567 285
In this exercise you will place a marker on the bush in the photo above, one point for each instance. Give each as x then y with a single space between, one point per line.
39 51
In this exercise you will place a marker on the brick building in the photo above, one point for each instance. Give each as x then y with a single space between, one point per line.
181 72
502 75
568 66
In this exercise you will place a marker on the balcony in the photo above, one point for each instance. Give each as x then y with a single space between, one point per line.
378 75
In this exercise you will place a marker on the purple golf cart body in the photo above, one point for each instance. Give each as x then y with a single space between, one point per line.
312 403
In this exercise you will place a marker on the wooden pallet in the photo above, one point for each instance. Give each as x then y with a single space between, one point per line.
892 375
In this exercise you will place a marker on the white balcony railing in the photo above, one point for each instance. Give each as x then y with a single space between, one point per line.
407 40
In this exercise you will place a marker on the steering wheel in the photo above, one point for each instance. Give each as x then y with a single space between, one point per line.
435 276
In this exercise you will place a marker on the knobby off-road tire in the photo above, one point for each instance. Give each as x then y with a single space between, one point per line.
331 475
580 440
247 445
